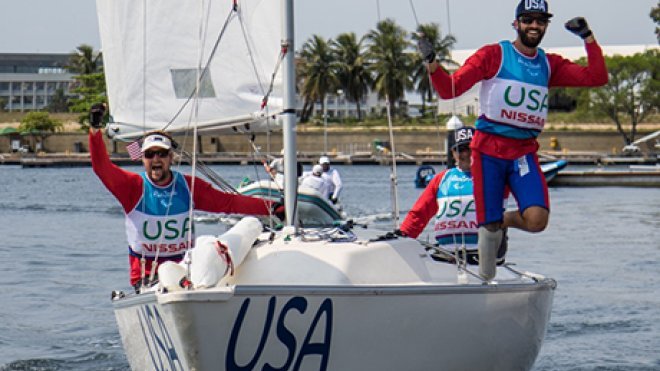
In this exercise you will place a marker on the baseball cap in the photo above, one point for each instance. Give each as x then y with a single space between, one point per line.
532 7
324 160
462 136
156 140
317 169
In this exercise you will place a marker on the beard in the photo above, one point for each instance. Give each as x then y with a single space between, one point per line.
530 42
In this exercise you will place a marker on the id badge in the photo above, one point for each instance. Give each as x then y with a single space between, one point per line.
523 166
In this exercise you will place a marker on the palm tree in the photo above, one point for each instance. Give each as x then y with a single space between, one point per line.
85 60
318 73
442 46
352 68
390 63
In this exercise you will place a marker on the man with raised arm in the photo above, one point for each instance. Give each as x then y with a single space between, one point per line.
157 202
513 109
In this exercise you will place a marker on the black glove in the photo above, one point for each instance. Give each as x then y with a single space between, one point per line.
425 49
96 114
390 235
579 26
334 200
277 209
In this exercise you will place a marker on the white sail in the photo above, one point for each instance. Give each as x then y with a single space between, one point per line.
152 51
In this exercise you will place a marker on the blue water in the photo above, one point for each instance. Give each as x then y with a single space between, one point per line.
62 251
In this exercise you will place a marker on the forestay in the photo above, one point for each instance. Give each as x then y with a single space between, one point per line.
152 55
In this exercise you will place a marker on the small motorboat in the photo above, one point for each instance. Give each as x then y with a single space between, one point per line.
423 176
551 169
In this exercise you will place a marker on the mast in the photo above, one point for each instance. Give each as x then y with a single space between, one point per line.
289 114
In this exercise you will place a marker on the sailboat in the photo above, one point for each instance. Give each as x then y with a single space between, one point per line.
332 298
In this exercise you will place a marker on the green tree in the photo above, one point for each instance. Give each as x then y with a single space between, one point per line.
39 125
3 104
84 60
89 89
442 47
632 92
58 102
90 81
389 61
318 72
352 68
655 15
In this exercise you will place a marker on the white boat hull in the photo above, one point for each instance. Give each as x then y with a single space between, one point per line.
413 317
377 328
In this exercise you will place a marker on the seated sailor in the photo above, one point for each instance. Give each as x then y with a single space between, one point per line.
317 182
449 197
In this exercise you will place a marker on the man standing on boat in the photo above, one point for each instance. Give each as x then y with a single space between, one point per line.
449 198
317 182
513 109
332 176
158 201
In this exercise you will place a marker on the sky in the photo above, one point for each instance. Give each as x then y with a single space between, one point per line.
58 26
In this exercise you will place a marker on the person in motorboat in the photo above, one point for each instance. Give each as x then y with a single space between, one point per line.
276 169
513 109
333 177
317 182
449 198
157 201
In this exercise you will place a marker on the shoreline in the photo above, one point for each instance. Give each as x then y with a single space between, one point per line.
59 160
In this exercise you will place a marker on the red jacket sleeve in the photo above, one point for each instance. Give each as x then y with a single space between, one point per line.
482 65
424 209
124 185
568 74
209 199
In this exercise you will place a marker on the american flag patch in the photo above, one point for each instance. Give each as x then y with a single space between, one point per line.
135 150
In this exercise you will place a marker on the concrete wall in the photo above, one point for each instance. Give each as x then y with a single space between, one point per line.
340 141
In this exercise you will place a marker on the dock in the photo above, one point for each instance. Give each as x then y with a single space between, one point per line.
607 178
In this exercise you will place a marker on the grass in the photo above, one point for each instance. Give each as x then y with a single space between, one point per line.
14 117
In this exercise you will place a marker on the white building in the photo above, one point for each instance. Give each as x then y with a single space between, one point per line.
29 81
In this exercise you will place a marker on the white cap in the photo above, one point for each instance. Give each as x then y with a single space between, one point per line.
317 170
324 160
156 140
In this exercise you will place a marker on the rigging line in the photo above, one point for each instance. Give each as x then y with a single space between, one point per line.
271 179
144 66
395 196
201 38
453 112
428 76
378 9
258 153
283 51
271 85
210 58
213 176
412 6
143 260
249 49
453 83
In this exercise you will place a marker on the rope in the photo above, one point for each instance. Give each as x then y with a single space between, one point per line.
453 83
412 6
393 177
461 263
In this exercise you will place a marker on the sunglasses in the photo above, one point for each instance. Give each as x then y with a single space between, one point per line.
529 20
160 153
